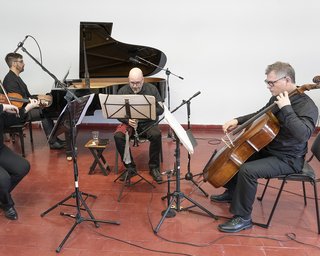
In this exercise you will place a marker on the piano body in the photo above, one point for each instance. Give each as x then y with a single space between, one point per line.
107 62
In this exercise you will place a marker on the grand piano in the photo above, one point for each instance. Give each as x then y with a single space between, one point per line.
105 64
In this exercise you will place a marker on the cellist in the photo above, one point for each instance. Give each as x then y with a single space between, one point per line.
285 154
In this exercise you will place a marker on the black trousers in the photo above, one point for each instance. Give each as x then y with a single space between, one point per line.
153 135
38 114
13 168
244 184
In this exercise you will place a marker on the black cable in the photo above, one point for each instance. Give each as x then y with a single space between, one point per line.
38 48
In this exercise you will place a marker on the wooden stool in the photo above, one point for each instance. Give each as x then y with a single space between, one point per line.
97 150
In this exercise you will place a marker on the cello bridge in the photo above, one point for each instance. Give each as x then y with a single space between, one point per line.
228 141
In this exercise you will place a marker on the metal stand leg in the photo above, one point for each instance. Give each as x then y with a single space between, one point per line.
177 195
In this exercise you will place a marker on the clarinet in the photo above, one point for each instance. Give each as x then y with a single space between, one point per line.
136 136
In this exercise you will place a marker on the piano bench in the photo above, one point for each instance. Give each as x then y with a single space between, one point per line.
97 150
18 130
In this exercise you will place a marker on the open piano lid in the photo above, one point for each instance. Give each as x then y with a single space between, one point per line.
107 57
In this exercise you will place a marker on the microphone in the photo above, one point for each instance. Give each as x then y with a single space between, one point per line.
20 44
196 94
316 79
133 60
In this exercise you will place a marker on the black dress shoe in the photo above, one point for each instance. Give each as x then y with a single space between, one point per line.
56 145
155 173
234 225
225 197
11 213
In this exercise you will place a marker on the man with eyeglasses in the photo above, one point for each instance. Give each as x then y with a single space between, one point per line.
14 84
137 86
285 154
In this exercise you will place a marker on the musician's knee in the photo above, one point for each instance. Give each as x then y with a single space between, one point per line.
119 136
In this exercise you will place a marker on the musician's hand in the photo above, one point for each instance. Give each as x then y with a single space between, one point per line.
283 100
230 125
10 109
133 123
34 103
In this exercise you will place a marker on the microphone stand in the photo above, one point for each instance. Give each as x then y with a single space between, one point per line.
174 198
189 176
168 73
62 85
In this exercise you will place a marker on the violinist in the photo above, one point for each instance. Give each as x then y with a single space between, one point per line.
285 154
13 167
14 84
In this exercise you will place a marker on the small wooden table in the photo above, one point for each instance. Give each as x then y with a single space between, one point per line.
97 150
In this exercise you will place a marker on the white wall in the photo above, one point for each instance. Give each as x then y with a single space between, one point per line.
221 48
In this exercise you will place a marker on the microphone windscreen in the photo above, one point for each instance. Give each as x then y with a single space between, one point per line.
316 79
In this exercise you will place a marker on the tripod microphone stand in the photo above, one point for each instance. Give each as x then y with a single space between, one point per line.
189 176
177 195
68 119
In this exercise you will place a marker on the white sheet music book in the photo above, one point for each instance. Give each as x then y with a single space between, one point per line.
178 129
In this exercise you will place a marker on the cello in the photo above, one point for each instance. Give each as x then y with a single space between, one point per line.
252 136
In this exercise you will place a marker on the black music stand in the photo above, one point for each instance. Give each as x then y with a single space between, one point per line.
131 106
68 120
177 195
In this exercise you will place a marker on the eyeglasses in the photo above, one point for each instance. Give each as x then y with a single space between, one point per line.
271 83
136 83
21 61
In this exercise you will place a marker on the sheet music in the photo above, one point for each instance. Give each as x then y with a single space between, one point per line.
85 108
178 129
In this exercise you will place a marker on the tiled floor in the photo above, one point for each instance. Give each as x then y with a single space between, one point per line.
51 179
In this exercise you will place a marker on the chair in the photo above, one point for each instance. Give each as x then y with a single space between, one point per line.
127 172
307 175
18 129
116 166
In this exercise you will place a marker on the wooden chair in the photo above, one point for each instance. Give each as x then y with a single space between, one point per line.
307 175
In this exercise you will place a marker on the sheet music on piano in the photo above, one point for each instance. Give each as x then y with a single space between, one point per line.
63 80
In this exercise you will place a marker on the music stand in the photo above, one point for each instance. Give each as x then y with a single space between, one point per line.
70 117
180 136
131 106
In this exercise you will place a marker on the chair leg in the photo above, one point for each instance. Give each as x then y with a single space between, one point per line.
274 207
304 193
30 132
22 143
314 183
264 190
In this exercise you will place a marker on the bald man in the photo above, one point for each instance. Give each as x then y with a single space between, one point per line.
137 86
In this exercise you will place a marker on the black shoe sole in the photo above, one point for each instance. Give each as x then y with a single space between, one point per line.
235 230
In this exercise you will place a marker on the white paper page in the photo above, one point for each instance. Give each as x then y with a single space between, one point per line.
178 129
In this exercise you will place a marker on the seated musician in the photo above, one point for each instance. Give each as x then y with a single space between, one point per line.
285 154
137 86
14 84
13 167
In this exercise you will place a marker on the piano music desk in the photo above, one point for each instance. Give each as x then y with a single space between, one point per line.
97 150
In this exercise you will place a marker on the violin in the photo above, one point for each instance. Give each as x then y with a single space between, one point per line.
14 99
